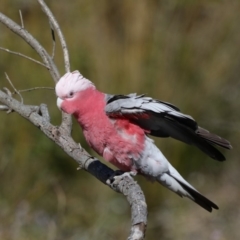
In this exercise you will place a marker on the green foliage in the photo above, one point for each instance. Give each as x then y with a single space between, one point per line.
183 52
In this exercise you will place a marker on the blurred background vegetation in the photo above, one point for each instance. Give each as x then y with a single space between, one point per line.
185 52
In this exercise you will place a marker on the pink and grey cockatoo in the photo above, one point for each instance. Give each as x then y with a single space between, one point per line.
117 128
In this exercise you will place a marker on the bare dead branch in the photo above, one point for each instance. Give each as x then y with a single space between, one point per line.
3 108
36 88
66 119
15 90
55 25
24 56
53 38
7 91
127 186
61 135
138 232
54 42
21 18
17 29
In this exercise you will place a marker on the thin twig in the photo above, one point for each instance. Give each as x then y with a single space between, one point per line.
15 90
4 108
24 56
7 91
33 43
127 186
54 39
66 119
55 24
21 18
61 135
36 88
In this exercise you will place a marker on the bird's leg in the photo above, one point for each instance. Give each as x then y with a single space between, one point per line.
130 174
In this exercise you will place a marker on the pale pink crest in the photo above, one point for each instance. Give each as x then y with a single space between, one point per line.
71 83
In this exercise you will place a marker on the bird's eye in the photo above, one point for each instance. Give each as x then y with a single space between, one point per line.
70 95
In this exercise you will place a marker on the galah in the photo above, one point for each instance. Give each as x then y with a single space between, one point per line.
117 127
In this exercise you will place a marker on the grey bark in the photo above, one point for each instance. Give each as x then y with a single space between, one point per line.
61 135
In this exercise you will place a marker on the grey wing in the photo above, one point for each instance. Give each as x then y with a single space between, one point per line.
152 115
163 119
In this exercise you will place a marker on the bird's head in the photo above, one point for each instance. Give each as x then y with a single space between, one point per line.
69 88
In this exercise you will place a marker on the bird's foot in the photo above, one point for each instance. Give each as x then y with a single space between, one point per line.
131 173
115 174
118 176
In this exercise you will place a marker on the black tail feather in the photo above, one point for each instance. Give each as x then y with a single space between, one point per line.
199 198
213 138
185 130
189 136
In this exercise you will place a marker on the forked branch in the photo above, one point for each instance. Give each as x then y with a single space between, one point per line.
54 23
27 37
61 136
24 56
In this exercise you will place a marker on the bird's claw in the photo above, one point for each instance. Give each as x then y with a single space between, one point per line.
115 175
118 176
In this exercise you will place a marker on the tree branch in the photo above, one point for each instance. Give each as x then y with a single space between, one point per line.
27 37
61 135
15 90
66 119
127 186
54 23
17 29
24 56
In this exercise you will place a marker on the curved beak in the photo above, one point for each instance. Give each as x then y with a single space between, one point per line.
59 103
